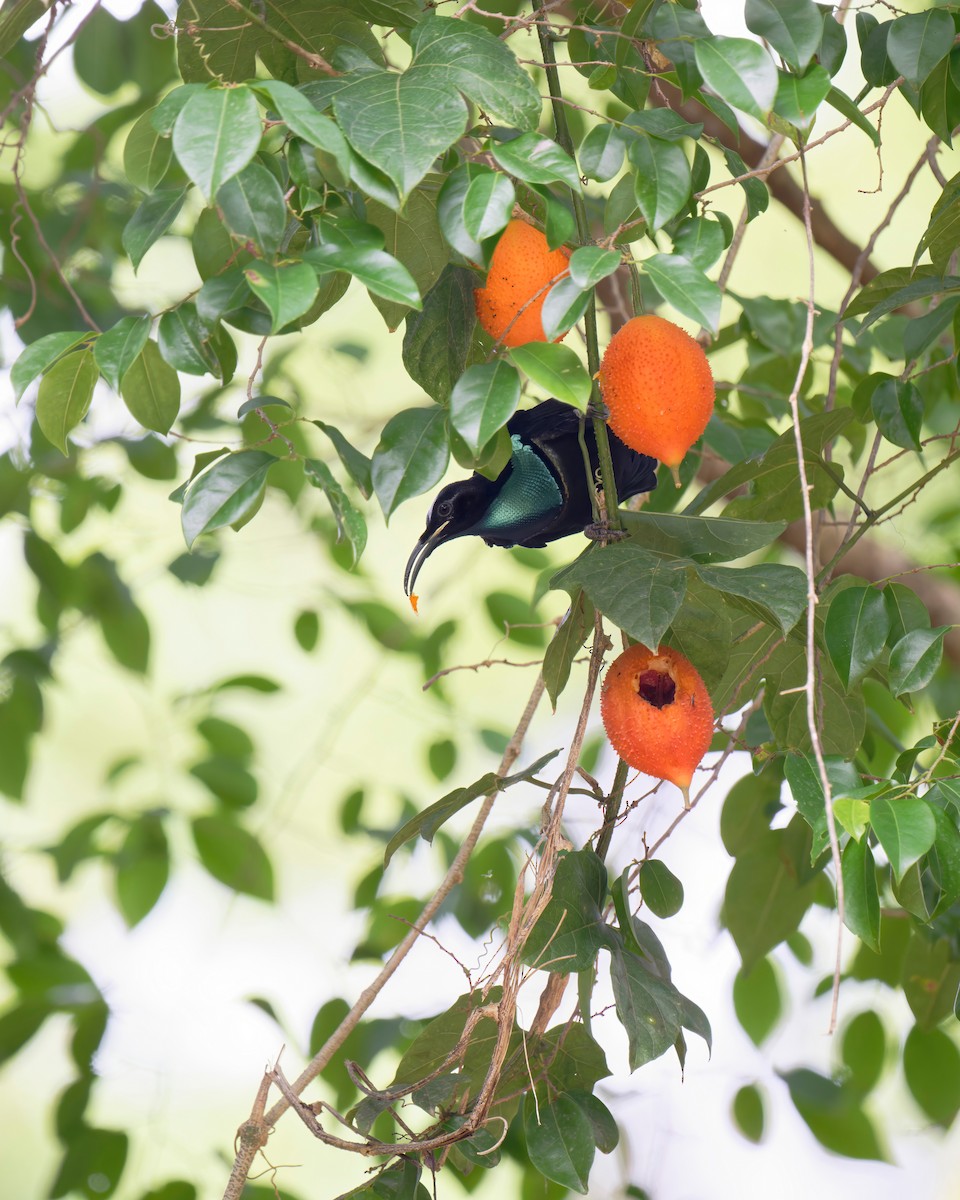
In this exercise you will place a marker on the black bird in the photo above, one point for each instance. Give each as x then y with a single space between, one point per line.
539 496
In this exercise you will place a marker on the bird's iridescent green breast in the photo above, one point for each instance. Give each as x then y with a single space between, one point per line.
530 492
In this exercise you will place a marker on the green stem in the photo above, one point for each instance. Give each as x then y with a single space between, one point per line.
604 457
611 809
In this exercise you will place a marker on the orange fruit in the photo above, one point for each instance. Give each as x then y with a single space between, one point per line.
522 269
657 384
657 713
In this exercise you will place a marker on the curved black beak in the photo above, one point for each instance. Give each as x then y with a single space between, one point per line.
421 552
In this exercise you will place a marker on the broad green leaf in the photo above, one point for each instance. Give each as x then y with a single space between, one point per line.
924 282
686 287
377 270
559 1140
664 123
846 107
450 205
649 1008
792 27
662 182
556 369
481 66
861 899
915 658
563 307
638 591
253 208
807 790
705 539
537 159
215 135
855 632
785 703
747 1111
182 342
757 1000
426 823
301 118
700 241
356 463
905 611
41 354
769 589
601 152
401 123
151 221
437 340
931 1065
483 400
570 930
661 890
488 204
117 350
414 239
917 42
142 867
930 977
64 396
852 811
288 291
898 408
905 828
565 645
16 17
411 456
863 1050
677 31
834 1115
146 154
150 389
590 264
225 493
754 190
739 71
233 856
944 857
606 1131
351 527
98 1154
799 96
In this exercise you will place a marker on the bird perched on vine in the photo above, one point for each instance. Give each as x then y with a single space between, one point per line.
542 493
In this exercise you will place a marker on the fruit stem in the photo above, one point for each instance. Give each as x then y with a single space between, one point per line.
604 457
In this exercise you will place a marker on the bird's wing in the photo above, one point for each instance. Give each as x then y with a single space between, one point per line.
548 421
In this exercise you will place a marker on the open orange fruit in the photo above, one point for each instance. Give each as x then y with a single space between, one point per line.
522 270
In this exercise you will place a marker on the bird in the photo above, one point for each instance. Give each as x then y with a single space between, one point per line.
539 496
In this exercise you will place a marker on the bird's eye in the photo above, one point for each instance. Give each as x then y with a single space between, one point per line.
445 510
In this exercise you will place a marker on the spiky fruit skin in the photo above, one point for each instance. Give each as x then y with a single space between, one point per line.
522 265
658 386
657 713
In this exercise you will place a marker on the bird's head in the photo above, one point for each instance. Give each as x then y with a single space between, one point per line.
457 509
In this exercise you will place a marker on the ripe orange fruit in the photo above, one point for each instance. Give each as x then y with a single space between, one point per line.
522 268
657 713
657 384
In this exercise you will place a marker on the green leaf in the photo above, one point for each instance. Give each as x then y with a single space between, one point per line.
143 867
898 408
233 856
803 777
792 27
768 589
649 1008
686 287
478 64
437 341
565 645
287 291
560 1140
40 355
228 780
705 539
662 182
226 739
570 930
785 703
700 240
301 118
377 270
905 611
556 369
410 458
915 658
758 1000
182 341
601 152
739 71
215 135
64 396
834 1115
351 527
225 492
147 154
916 43
861 899
488 204
536 159
253 208
590 264
855 632
637 590
800 96
846 107
563 307
483 400
414 239
606 1131
16 17
118 349
97 1155
924 283
426 823
905 828
748 1114
661 890
863 1050
930 977
931 1065
356 463
151 221
151 390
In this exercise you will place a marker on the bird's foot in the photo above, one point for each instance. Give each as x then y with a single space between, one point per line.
597 408
600 531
